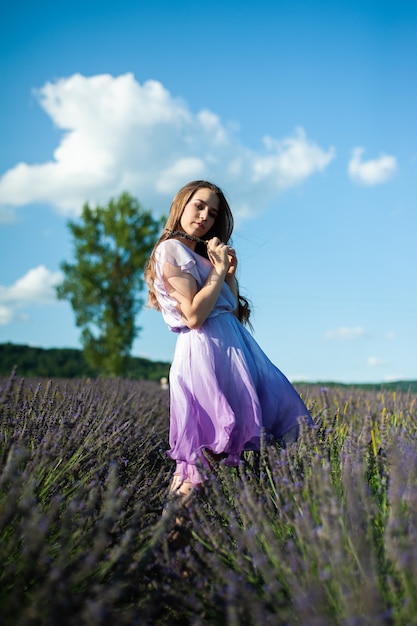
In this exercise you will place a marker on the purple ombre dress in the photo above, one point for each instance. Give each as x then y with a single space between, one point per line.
223 387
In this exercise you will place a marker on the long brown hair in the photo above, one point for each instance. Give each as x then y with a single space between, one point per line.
222 228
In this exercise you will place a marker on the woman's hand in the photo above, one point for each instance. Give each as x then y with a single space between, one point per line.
218 254
232 262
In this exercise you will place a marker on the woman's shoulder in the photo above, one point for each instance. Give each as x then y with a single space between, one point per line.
170 244
173 247
174 252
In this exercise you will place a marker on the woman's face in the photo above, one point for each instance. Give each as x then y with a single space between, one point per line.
200 213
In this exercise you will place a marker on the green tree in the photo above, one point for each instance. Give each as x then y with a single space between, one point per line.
103 285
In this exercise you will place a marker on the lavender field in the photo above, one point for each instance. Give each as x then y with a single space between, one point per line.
322 533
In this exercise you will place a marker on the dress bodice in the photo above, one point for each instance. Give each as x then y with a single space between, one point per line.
176 253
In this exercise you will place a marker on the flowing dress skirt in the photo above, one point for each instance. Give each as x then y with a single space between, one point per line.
223 391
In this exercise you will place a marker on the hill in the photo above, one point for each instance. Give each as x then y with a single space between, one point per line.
67 363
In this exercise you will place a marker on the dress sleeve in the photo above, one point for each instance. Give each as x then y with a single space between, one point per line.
174 252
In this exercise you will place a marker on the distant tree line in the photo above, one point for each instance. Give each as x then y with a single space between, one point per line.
33 362
397 385
70 363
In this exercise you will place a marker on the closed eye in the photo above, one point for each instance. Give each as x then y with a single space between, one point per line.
202 205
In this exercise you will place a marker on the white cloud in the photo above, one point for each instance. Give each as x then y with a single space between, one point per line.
346 333
372 172
374 361
392 378
190 167
120 135
6 315
37 286
291 160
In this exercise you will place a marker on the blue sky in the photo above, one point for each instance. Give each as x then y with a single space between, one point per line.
303 112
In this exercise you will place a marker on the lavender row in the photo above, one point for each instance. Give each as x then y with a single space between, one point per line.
323 532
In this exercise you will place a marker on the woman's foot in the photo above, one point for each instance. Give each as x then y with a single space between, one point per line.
179 494
180 487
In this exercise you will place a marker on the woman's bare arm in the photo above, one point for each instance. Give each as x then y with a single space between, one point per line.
196 305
